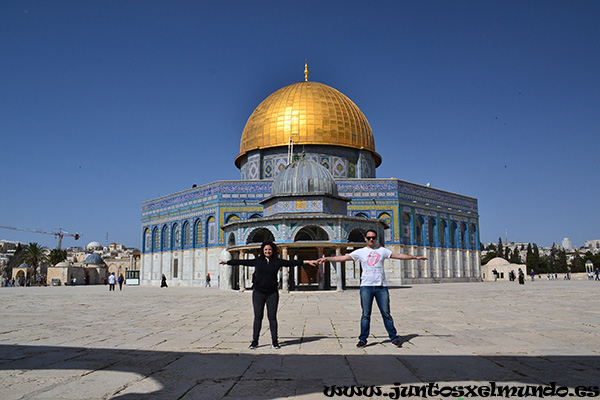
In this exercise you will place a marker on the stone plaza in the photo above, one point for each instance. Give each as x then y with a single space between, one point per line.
145 342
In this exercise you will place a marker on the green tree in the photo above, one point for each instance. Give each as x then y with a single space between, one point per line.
488 257
500 248
529 258
578 263
13 261
594 258
561 261
515 257
507 253
536 255
552 259
56 256
34 255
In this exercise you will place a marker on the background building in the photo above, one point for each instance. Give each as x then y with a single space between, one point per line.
592 245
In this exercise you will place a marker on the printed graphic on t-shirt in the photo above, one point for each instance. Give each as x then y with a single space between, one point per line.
373 258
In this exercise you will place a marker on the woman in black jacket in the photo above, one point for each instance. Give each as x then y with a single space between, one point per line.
266 269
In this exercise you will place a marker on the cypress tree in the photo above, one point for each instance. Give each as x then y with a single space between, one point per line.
529 259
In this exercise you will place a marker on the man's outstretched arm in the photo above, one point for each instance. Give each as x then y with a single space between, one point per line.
345 257
402 256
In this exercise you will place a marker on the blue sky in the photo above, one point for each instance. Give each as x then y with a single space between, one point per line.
107 104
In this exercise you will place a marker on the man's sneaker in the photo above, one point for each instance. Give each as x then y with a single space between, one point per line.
253 346
275 346
361 344
397 342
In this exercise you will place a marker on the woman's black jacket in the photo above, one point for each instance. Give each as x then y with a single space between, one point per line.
265 272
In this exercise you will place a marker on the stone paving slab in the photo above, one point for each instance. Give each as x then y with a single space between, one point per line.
191 343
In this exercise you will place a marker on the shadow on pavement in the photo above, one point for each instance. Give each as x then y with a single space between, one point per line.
298 341
261 375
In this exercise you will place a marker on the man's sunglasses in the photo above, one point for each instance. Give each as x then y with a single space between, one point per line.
371 237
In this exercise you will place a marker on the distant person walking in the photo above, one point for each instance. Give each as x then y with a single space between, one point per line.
121 279
532 275
111 282
163 281
521 277
597 273
373 284
207 280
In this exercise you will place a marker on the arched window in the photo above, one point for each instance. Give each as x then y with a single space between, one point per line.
211 231
419 231
197 233
442 233
406 229
356 236
461 235
175 237
231 240
387 218
147 246
431 232
232 218
155 239
452 234
186 235
260 235
164 239
255 216
472 237
362 215
311 233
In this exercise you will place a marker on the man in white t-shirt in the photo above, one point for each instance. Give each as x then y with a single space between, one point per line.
373 284
111 281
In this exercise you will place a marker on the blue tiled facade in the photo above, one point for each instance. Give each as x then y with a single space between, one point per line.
413 211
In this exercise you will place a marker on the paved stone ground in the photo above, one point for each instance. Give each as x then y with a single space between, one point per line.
191 343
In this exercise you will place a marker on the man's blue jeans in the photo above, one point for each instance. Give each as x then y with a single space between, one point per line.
382 296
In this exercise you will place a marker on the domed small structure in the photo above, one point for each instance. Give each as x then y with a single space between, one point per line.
304 177
93 259
502 268
497 262
22 273
304 187
92 246
62 264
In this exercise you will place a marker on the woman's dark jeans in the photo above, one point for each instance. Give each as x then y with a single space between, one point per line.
259 299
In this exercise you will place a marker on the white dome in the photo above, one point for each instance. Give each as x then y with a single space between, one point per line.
498 261
62 264
93 245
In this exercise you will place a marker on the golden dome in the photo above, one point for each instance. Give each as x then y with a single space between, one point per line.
308 113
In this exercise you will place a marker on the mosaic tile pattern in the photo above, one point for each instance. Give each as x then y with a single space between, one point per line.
195 206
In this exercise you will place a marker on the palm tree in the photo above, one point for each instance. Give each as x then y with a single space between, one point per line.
34 255
56 256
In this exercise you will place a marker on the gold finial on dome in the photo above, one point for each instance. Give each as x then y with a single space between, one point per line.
306 71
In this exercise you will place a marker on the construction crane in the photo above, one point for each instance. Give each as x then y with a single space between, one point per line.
60 234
